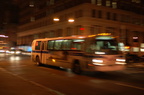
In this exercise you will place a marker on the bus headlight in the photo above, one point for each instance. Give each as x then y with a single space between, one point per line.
120 61
97 62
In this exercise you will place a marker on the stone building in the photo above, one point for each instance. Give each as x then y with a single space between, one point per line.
56 18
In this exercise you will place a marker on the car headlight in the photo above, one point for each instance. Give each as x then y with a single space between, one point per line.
120 61
12 52
97 62
17 52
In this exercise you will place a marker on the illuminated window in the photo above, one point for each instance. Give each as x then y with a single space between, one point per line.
31 4
99 2
135 49
93 1
114 5
108 3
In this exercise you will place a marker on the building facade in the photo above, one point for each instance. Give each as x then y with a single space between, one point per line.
56 18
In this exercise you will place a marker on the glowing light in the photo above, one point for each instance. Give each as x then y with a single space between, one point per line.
82 28
99 52
73 48
127 47
12 58
123 60
4 36
104 34
120 63
81 37
56 19
96 60
71 20
53 60
98 64
91 35
135 37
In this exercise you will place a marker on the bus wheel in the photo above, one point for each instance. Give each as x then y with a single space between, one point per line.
38 63
76 68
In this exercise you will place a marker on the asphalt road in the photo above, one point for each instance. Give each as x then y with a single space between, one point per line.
19 76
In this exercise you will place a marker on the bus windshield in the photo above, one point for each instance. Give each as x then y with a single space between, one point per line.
104 47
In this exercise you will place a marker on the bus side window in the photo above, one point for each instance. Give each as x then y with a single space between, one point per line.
37 45
58 44
77 44
66 45
44 45
50 44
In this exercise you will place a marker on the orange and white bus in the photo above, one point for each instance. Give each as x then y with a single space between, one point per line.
79 53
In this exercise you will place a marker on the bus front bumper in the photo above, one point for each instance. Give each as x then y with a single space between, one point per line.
106 68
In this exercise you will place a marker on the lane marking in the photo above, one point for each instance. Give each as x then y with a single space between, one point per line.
53 92
121 84
126 85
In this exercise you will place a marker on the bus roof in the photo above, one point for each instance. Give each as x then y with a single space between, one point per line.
78 37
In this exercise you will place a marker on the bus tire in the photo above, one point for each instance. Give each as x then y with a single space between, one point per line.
76 68
38 63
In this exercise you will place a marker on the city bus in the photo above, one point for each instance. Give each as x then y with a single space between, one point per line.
79 53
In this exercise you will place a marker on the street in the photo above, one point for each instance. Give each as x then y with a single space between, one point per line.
19 76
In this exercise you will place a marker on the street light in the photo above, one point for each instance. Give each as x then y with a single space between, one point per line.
56 19
71 20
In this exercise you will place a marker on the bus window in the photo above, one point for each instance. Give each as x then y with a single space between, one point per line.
58 44
77 44
37 45
50 45
44 45
66 44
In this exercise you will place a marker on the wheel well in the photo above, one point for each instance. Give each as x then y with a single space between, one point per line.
36 57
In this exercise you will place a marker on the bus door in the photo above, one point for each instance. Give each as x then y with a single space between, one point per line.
44 52
37 49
